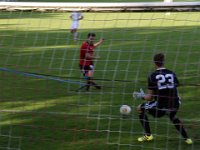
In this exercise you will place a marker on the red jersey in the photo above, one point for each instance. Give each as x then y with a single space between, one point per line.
86 48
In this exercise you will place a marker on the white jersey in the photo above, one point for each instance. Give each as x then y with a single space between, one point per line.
75 19
75 16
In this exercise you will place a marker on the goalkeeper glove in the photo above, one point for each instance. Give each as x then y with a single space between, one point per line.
139 95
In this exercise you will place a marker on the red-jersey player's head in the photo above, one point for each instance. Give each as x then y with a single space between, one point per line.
91 37
159 60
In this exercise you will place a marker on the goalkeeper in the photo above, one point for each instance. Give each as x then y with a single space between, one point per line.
87 57
162 86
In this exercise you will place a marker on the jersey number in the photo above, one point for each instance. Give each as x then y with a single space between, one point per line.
165 81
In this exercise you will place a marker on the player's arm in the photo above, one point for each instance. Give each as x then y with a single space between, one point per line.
99 42
142 95
81 17
146 96
89 56
151 88
149 95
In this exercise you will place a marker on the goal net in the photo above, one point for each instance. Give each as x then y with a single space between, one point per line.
42 104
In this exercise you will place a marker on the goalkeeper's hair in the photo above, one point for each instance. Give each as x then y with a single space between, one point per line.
159 59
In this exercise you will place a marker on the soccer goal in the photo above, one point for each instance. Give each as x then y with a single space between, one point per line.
43 100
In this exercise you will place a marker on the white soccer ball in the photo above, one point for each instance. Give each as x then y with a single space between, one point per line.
125 109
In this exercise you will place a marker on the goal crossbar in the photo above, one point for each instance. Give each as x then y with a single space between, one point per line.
92 7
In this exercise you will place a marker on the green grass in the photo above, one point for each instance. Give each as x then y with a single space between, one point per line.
39 114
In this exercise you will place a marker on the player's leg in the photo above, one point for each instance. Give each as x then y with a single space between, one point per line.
74 28
83 71
152 109
89 75
75 35
179 127
145 124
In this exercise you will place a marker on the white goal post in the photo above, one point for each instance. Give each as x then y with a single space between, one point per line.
89 7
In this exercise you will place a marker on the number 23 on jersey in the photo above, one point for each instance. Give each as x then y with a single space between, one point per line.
165 81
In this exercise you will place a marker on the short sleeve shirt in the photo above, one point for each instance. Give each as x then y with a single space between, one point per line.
163 83
86 48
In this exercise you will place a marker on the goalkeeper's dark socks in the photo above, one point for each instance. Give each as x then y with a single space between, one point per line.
145 123
177 123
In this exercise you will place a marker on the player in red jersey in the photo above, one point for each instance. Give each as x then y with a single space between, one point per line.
87 57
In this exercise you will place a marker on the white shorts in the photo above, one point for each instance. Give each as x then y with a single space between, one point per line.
74 25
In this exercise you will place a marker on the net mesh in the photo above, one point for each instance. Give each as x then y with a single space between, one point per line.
40 108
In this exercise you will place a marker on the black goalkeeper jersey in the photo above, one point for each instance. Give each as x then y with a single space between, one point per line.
163 83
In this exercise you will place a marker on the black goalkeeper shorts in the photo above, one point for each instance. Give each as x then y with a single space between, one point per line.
152 108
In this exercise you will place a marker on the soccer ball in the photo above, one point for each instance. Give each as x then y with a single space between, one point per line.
125 109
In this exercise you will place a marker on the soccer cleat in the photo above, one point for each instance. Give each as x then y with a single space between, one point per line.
188 141
145 138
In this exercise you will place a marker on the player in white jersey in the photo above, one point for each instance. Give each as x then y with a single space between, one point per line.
75 17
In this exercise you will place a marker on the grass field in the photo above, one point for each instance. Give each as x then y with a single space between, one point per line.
40 114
